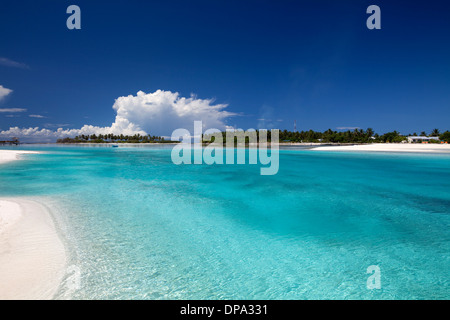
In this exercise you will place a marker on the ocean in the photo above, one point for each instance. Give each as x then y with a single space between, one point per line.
136 226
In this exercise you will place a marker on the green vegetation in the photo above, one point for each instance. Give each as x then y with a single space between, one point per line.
445 136
435 133
330 136
111 138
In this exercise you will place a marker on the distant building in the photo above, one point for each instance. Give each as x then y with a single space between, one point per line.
14 141
420 139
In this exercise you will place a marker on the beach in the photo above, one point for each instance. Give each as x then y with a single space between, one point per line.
32 256
390 147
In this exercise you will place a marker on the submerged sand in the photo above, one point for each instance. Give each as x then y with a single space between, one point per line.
12 155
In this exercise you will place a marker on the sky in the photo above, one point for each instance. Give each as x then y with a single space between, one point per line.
151 67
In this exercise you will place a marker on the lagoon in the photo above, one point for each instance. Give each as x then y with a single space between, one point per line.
139 227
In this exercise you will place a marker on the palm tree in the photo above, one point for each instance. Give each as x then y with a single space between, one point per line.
435 133
369 134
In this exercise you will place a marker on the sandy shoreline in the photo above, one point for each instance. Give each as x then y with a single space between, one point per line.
32 256
390 147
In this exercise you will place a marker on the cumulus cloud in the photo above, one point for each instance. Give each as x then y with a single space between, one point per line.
157 113
4 92
38 116
164 111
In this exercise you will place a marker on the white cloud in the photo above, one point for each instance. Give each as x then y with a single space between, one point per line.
56 125
347 128
157 113
162 112
36 116
10 63
12 110
4 92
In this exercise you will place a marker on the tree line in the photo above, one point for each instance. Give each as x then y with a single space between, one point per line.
328 136
349 136
111 138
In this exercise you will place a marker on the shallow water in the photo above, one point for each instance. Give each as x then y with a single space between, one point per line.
139 227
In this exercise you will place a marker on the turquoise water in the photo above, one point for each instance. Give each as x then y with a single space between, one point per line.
139 227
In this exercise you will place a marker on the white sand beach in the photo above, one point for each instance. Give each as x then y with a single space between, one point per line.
32 256
12 155
390 147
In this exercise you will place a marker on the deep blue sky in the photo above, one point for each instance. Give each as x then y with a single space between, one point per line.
314 61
